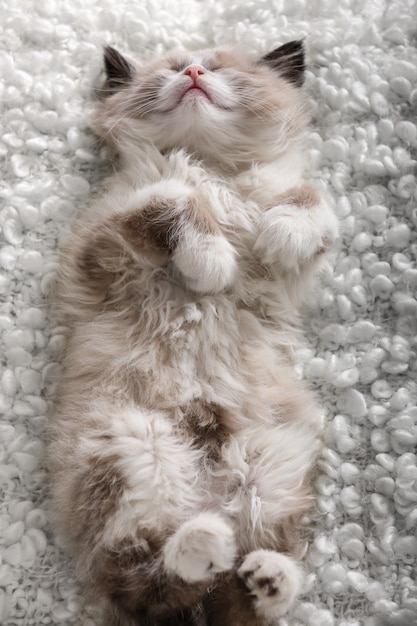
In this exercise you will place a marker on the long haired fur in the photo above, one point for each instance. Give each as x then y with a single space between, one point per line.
181 443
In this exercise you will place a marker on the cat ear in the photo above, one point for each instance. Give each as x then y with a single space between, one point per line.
288 60
119 71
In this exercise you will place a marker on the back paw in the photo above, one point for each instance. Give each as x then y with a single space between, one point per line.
273 579
200 548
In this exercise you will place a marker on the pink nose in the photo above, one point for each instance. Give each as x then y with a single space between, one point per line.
194 71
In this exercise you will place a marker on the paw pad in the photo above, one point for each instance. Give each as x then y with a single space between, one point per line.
272 579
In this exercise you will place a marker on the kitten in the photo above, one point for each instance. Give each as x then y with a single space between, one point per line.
182 443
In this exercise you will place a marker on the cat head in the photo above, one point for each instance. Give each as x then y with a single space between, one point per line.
220 104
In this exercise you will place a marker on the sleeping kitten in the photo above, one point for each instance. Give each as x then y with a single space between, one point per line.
182 443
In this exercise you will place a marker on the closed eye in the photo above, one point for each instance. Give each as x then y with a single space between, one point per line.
210 65
178 67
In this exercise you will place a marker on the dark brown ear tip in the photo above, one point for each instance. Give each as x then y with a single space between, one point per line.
294 45
119 71
110 53
112 57
288 60
298 47
289 50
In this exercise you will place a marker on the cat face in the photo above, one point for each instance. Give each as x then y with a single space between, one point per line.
218 103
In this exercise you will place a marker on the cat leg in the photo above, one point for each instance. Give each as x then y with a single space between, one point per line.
278 461
128 502
155 230
296 230
184 228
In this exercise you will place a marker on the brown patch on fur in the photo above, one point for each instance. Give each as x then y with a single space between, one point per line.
210 427
161 222
327 243
103 251
96 495
132 578
104 265
229 604
153 231
106 262
157 223
305 197
121 617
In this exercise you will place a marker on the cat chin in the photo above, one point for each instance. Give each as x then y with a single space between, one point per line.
211 132
211 90
195 95
186 99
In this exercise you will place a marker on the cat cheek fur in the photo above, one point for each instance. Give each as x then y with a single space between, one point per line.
182 445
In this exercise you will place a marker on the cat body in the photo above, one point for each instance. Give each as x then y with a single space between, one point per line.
182 443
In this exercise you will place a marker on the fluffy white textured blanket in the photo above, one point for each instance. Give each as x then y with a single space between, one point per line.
362 79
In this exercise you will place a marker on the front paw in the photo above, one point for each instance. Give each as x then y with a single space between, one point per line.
292 236
207 262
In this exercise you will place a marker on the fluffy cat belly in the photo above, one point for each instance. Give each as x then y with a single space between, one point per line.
224 436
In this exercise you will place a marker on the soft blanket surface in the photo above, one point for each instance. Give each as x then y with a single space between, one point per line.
361 329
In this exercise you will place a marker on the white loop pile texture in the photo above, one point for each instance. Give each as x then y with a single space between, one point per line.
362 329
